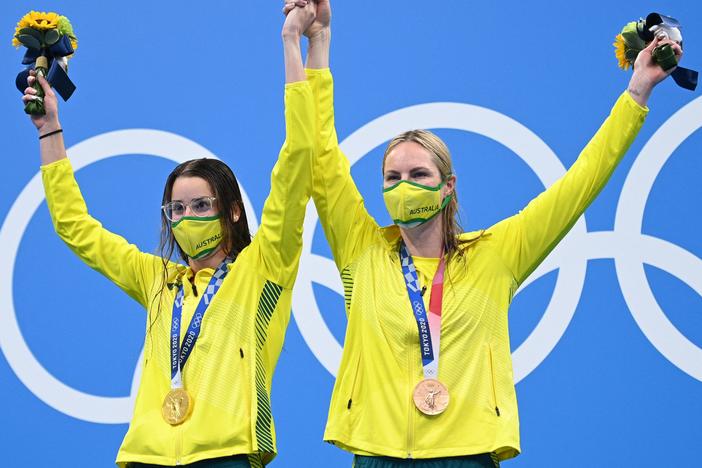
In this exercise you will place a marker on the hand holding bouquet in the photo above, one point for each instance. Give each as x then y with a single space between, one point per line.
637 35
50 41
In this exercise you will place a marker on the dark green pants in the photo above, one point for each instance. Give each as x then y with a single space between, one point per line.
484 460
235 461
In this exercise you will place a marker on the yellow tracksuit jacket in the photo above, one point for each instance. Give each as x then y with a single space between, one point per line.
371 410
230 369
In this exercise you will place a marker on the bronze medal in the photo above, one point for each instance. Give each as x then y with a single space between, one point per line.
431 397
177 406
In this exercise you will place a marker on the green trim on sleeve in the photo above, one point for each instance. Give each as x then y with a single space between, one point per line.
264 419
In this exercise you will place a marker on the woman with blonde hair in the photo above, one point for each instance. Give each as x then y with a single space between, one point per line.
426 373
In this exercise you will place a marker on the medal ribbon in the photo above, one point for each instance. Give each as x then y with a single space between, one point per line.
178 359
428 325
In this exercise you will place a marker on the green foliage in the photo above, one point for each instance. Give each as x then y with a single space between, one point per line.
65 27
51 37
29 41
31 32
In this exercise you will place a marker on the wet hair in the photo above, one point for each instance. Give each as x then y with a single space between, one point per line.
442 160
225 188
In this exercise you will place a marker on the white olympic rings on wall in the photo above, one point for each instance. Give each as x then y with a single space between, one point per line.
629 248
627 245
469 118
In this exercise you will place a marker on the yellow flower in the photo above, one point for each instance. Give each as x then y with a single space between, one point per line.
620 52
42 21
23 23
38 20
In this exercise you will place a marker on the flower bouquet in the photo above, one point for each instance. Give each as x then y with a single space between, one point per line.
50 41
636 35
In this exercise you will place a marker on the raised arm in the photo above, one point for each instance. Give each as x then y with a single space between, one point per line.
108 253
346 222
278 242
525 239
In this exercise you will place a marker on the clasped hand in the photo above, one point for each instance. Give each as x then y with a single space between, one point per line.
308 17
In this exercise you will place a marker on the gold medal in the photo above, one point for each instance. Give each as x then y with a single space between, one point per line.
431 397
177 406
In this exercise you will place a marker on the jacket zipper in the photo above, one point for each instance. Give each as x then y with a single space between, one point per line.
410 432
353 383
178 445
494 386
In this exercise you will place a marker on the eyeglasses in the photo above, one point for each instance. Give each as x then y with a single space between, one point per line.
198 206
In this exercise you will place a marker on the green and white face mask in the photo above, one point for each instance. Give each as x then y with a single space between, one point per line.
198 236
411 204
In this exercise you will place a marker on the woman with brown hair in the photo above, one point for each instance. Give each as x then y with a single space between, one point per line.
215 326
426 374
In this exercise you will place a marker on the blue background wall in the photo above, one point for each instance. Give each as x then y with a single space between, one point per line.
618 384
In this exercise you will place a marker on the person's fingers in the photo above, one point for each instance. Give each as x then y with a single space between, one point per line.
30 90
662 42
45 86
28 97
290 6
30 80
653 44
674 45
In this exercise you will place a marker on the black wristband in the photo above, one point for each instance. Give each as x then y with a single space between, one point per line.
60 130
